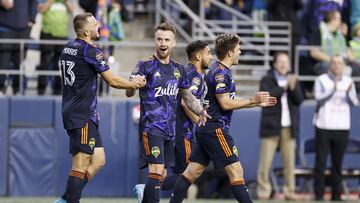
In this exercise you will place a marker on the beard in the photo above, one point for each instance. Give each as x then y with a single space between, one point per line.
163 54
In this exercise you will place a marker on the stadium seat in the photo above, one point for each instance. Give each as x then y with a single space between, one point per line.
304 170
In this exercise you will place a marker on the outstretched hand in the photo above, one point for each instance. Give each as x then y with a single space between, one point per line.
263 99
203 116
139 81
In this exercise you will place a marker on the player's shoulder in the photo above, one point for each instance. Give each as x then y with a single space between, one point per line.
218 68
176 64
146 61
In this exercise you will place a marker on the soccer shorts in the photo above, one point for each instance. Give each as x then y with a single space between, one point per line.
215 145
183 149
84 139
156 150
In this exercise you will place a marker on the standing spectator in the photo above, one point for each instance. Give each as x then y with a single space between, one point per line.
16 20
334 93
55 21
286 10
279 125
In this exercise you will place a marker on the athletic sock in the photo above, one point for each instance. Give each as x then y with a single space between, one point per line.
180 190
240 191
87 178
152 189
169 182
75 184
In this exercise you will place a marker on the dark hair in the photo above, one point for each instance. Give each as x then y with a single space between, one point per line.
80 21
166 27
194 47
225 43
277 54
330 15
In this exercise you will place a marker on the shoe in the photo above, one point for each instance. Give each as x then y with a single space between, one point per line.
139 191
60 200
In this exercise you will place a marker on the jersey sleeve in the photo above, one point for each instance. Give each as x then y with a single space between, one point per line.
183 80
139 69
95 57
195 82
221 82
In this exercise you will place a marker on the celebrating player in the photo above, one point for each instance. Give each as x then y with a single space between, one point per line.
158 99
81 61
214 140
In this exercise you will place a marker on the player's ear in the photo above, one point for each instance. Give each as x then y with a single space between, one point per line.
174 44
198 56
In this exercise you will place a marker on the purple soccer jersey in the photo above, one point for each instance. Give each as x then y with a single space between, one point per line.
219 81
185 126
158 99
80 64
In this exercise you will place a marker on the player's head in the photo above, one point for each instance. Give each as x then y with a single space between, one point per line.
199 51
85 25
164 40
281 63
227 47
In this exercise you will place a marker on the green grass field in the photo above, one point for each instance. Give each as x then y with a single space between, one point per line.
132 200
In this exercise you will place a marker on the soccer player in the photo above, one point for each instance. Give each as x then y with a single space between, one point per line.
165 78
81 61
214 140
199 56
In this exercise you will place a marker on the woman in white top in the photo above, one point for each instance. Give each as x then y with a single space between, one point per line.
334 93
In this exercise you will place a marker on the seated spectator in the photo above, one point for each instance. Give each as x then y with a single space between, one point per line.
355 43
332 42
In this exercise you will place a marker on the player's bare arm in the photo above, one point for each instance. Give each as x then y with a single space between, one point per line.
193 104
121 83
262 99
193 117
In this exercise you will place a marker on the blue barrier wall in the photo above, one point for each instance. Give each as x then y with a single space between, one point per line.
34 159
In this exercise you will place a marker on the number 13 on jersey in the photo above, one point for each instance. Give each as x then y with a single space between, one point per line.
68 74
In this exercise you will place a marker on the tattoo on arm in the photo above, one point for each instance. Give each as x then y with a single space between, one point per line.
191 101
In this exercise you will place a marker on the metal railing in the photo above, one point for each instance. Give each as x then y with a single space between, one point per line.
29 44
304 48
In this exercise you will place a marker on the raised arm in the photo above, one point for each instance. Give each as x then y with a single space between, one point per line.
259 99
122 83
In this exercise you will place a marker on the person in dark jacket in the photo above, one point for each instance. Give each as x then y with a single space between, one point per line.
16 20
279 126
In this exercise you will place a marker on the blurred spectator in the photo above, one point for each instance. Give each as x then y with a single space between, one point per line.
279 126
55 21
355 43
354 12
259 14
16 20
334 93
115 25
320 7
286 10
332 42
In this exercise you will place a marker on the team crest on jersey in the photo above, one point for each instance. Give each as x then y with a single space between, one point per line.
177 74
220 85
155 151
235 151
92 143
219 77
196 81
157 74
99 56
